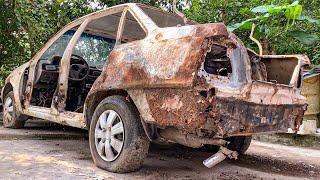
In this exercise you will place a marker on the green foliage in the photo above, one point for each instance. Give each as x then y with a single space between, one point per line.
290 12
303 37
26 25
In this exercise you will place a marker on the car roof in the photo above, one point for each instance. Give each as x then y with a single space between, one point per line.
121 7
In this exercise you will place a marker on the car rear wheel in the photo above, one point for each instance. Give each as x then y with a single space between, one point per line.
117 140
239 143
11 117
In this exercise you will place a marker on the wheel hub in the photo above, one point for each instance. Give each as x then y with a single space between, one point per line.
109 135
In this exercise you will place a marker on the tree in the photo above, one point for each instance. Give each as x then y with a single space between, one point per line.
26 25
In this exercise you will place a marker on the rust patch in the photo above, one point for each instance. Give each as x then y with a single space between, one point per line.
172 104
218 117
205 104
177 107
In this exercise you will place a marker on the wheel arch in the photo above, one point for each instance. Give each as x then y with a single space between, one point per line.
5 90
14 83
95 98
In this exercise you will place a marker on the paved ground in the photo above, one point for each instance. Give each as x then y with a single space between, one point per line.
49 151
292 140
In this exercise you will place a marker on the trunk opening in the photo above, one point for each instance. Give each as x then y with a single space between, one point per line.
280 70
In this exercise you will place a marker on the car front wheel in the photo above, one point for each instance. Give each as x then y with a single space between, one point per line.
117 140
11 117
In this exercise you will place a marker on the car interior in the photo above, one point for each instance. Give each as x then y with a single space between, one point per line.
89 56
217 62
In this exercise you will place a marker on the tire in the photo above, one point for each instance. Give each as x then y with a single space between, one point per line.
135 144
239 143
12 118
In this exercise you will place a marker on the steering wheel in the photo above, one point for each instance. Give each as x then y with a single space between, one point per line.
79 68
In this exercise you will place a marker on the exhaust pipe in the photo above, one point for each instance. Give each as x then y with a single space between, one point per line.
190 140
219 157
214 159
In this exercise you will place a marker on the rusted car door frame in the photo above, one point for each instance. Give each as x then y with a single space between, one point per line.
36 58
58 113
144 21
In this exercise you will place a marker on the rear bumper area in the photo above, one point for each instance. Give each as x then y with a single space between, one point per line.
258 108
239 118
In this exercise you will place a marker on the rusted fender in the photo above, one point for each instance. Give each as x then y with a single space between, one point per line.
15 78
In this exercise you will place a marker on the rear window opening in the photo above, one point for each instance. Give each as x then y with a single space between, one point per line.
217 62
161 18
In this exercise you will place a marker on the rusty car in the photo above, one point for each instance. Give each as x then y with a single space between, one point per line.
133 74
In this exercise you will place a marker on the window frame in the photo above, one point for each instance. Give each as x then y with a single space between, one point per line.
104 40
123 22
67 42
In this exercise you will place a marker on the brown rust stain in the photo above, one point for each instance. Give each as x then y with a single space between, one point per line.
177 107
213 29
